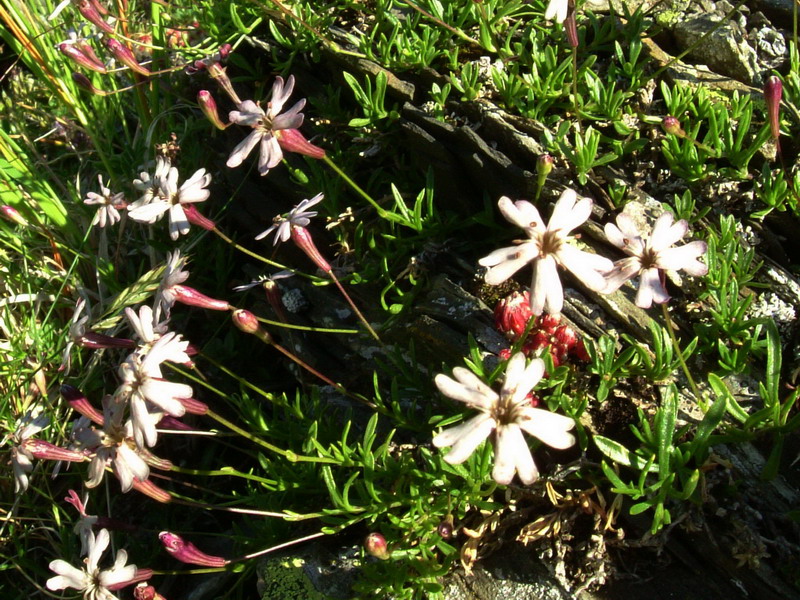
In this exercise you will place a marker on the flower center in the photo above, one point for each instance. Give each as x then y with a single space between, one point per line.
649 258
550 242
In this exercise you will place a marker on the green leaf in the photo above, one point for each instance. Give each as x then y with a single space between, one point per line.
665 427
620 454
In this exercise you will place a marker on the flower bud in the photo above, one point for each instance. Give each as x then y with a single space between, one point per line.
302 239
83 81
209 107
170 422
90 13
12 214
445 528
96 341
581 352
566 336
195 218
187 552
80 404
246 321
146 592
544 165
548 323
673 126
71 51
571 28
294 141
191 297
773 90
126 57
512 315
375 545
47 451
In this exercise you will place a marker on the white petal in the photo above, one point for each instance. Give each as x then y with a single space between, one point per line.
270 155
588 268
503 263
546 291
650 289
68 576
683 258
509 447
518 384
165 394
117 575
623 270
474 396
178 223
521 213
101 541
665 233
244 148
470 438
569 212
149 213
547 426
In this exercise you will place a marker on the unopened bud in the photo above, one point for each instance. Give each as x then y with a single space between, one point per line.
512 315
544 165
195 218
91 13
191 297
302 239
47 451
187 552
12 214
87 62
673 126
294 141
445 528
80 404
566 336
246 321
548 322
209 107
146 592
97 341
126 57
83 81
375 545
773 91
571 28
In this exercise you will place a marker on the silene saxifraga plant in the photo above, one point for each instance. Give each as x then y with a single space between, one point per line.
506 415
652 255
547 247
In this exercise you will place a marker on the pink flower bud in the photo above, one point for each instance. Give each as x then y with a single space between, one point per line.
246 321
148 488
571 28
170 422
90 13
512 315
146 592
566 336
539 340
544 165
83 81
187 552
294 141
505 353
126 57
375 545
72 52
195 218
47 451
12 214
209 107
548 323
673 126
93 340
80 404
773 91
302 239
191 297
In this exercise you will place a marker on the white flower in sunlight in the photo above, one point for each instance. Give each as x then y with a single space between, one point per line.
91 581
556 10
297 217
84 527
174 274
21 457
507 415
649 257
266 125
149 333
170 197
547 248
109 205
150 185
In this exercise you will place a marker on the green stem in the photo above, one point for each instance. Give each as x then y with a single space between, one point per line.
677 347
305 327
381 212
224 472
238 378
353 306
252 254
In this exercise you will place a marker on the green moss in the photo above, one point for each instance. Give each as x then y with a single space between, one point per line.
285 579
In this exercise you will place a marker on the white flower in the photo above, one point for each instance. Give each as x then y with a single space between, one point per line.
22 458
263 279
85 523
556 10
297 217
266 126
174 274
150 185
77 328
109 204
149 333
169 197
648 257
91 581
547 248
507 414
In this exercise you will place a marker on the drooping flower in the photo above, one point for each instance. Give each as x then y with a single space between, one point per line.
85 523
268 128
169 197
547 248
299 216
506 415
187 552
109 205
79 335
650 257
174 274
91 581
556 10
22 458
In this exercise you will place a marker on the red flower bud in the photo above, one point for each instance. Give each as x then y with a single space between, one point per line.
302 238
246 321
548 323
12 214
93 340
571 28
87 62
80 404
146 592
209 107
195 218
294 141
512 314
673 126
126 57
187 552
83 81
90 12
170 422
375 545
773 90
191 297
566 336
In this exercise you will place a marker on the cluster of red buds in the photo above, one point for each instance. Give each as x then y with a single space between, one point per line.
512 317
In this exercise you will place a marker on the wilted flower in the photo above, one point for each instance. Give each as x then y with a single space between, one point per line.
110 204
95 584
84 525
187 552
171 198
21 457
297 217
267 126
556 10
649 257
547 248
507 415
174 274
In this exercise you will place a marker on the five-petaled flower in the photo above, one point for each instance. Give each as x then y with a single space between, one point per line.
650 257
94 583
110 205
22 457
507 414
297 217
547 248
